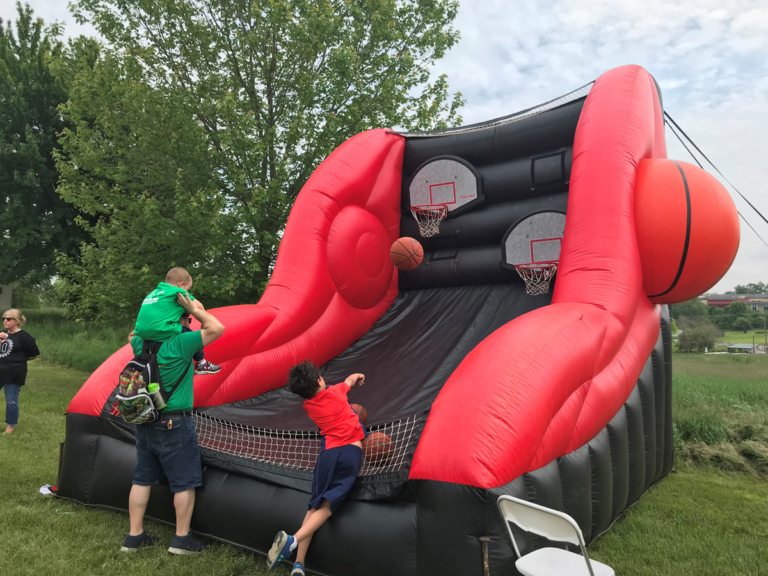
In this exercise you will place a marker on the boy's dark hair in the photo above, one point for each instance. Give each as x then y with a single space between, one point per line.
302 379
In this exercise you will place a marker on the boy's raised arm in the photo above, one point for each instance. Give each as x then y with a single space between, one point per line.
353 379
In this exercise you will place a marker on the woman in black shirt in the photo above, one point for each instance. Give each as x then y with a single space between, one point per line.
16 347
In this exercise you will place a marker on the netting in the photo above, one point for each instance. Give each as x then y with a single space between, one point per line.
298 450
537 276
428 217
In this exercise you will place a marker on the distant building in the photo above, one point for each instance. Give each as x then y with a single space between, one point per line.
754 302
741 349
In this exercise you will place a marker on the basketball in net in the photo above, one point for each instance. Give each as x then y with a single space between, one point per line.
428 217
377 447
537 276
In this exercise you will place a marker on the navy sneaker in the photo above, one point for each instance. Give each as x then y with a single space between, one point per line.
133 543
186 545
298 569
281 549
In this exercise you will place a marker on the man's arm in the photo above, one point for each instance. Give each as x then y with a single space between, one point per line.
210 328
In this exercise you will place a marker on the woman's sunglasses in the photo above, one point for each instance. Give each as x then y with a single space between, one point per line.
9 319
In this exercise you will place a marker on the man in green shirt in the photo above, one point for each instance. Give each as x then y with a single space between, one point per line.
168 446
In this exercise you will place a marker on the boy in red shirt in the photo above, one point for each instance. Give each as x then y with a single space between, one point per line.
338 464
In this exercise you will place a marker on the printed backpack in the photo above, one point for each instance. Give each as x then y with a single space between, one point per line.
134 400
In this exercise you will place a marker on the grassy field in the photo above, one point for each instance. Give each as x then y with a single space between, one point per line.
748 337
710 517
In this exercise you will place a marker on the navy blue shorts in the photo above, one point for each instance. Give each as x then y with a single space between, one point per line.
171 455
335 472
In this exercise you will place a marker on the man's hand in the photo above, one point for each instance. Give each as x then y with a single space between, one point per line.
183 300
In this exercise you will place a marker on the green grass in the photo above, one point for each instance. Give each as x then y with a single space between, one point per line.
699 522
710 518
744 337
67 343
43 536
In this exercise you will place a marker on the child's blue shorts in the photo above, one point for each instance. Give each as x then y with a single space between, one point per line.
335 473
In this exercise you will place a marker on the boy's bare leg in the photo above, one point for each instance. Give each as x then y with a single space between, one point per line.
312 521
137 506
301 551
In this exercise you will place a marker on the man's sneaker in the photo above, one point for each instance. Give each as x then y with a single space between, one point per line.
298 569
186 545
133 543
281 549
205 367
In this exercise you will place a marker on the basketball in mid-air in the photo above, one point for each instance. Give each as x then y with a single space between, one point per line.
361 412
377 447
406 253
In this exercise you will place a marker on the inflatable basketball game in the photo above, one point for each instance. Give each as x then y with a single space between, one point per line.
529 352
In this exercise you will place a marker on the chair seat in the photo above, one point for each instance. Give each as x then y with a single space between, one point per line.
559 562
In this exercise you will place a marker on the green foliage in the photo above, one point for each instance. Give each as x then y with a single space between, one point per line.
696 333
751 288
34 221
68 343
742 323
693 308
193 134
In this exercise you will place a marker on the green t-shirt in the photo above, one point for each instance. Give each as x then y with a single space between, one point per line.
159 314
173 358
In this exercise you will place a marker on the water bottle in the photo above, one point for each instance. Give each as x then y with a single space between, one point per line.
157 398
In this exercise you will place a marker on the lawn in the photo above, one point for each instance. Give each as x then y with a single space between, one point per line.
710 517
748 337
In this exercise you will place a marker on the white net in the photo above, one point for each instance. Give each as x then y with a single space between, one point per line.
536 276
428 218
299 449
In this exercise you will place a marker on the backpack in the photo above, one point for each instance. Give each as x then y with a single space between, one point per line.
134 402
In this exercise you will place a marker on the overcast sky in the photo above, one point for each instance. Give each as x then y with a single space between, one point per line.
710 58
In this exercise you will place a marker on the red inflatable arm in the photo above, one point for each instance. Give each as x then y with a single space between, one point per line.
549 381
339 275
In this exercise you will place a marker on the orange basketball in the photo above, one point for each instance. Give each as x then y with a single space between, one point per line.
377 447
406 253
361 412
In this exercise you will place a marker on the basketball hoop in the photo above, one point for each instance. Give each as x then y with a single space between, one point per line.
428 217
537 276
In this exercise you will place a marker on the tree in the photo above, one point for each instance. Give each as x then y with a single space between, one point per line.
34 221
751 288
213 113
742 324
696 334
691 308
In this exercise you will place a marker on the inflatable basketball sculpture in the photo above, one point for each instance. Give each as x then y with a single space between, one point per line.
563 398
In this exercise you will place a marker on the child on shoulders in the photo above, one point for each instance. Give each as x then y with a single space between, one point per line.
338 464
158 318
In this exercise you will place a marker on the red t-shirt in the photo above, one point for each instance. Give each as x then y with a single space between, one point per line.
332 413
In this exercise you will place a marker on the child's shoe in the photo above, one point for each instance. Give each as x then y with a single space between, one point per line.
133 543
298 569
281 549
205 367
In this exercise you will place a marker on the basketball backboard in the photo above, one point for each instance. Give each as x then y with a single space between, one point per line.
536 239
449 181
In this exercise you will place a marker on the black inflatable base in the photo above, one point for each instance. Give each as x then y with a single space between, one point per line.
433 528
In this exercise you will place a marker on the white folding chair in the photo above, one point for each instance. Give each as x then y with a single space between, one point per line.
555 526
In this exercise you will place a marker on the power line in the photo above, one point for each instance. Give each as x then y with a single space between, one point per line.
667 121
